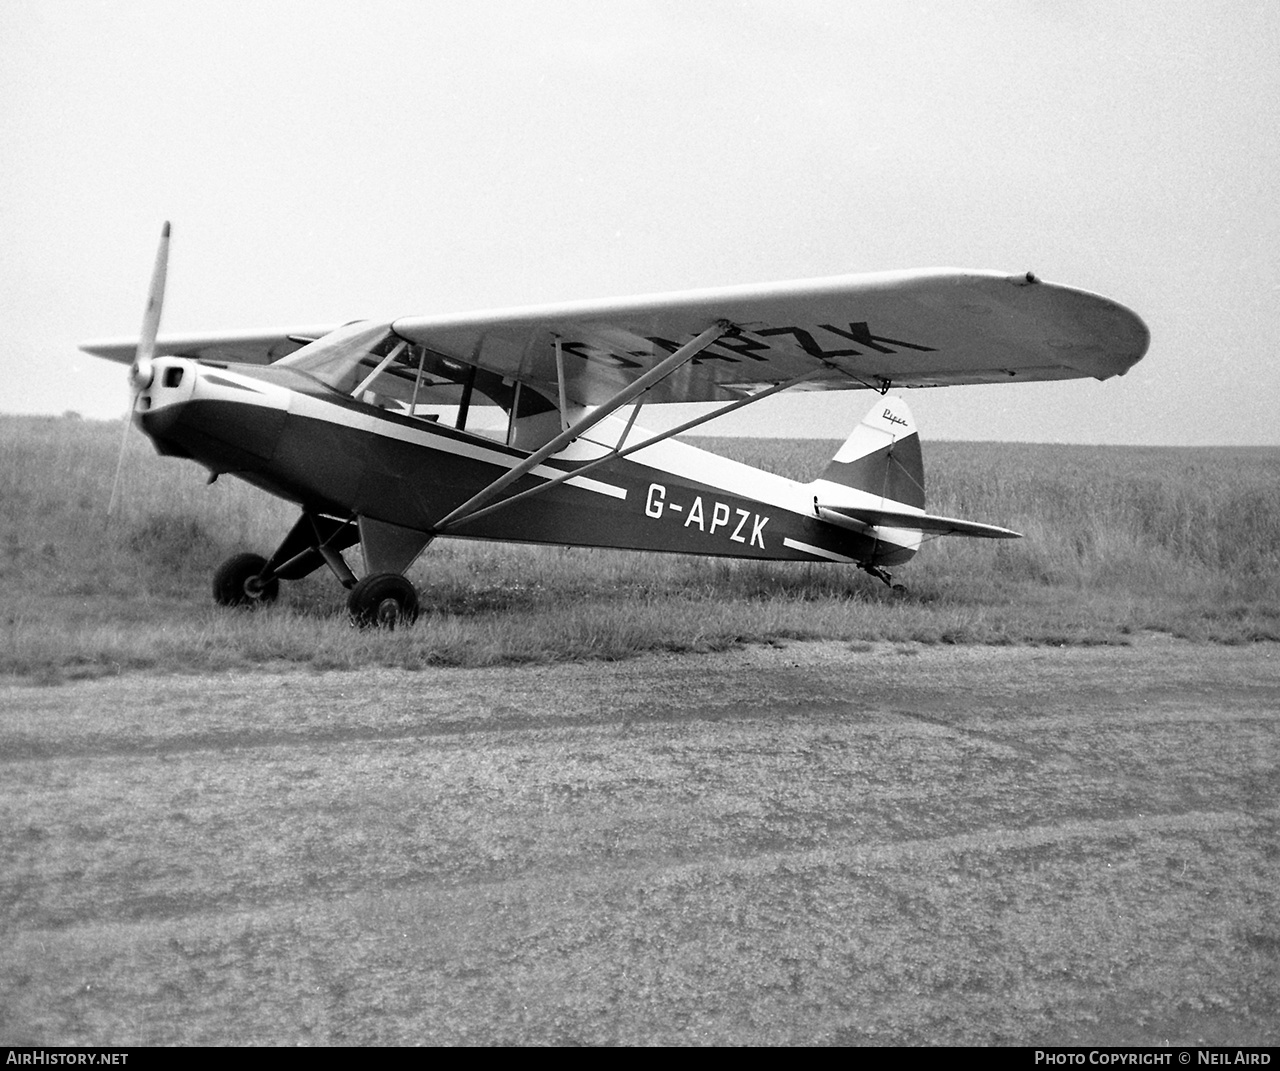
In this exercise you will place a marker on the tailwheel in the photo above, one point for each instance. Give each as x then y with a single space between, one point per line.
880 574
238 582
383 600
885 578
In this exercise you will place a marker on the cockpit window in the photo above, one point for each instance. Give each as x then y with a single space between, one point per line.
369 362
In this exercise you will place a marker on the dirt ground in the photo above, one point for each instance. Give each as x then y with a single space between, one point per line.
816 843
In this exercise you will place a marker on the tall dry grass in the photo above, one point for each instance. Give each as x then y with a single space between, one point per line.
1117 540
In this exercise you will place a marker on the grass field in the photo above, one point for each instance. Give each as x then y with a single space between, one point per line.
1118 541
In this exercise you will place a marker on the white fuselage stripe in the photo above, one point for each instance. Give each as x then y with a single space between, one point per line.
702 466
817 552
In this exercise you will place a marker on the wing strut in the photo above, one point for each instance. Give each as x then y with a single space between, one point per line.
564 405
417 380
464 406
658 372
617 454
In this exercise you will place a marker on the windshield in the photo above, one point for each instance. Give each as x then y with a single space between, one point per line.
343 358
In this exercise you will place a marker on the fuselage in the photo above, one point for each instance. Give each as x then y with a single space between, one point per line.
296 437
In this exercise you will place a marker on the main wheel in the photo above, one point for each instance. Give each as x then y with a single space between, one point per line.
236 582
384 600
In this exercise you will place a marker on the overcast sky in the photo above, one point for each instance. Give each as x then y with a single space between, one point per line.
322 162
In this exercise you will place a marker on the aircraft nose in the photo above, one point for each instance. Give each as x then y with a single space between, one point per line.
158 406
218 415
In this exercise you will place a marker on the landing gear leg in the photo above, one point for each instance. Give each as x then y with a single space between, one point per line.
312 542
250 579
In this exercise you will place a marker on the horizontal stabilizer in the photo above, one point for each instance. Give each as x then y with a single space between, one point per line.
858 517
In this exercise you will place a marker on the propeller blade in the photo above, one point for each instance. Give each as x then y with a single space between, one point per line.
124 441
141 373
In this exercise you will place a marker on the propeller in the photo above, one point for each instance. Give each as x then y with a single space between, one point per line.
142 370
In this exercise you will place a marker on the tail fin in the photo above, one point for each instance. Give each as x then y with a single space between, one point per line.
876 480
882 456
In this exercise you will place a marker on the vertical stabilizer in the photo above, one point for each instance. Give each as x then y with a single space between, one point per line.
882 458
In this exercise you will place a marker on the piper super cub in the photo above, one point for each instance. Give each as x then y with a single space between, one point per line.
344 421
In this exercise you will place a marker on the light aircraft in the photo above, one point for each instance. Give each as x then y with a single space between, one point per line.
343 420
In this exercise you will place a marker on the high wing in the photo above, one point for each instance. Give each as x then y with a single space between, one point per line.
931 327
921 328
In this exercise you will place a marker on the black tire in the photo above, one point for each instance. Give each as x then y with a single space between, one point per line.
383 600
236 582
